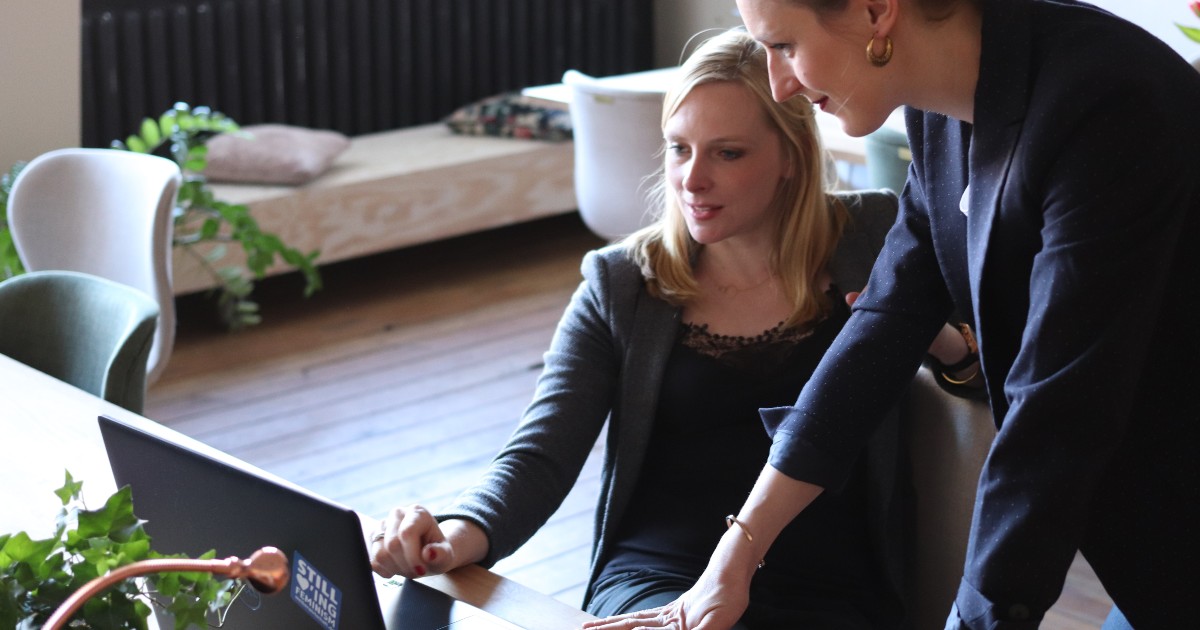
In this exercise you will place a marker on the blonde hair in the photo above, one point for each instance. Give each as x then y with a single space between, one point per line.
810 220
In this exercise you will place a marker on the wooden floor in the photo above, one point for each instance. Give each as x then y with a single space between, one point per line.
398 383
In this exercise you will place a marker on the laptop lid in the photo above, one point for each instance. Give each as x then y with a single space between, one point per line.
195 498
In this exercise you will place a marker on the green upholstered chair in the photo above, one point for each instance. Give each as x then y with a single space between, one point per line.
86 330
888 158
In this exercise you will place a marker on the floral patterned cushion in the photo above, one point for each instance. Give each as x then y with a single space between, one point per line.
510 115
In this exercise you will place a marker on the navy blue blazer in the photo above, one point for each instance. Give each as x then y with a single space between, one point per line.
1075 254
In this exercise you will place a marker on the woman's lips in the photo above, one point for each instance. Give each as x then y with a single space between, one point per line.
703 211
821 102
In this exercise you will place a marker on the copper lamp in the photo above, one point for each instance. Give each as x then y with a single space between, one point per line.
266 570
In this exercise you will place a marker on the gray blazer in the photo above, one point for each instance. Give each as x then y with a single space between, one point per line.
606 362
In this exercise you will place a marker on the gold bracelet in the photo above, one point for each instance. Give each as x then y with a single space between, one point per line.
964 381
730 521
969 337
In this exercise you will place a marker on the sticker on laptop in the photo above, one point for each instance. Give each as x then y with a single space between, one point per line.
319 597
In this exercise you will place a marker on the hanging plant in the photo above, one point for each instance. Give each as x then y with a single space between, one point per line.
180 134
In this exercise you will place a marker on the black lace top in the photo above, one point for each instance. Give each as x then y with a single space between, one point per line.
707 449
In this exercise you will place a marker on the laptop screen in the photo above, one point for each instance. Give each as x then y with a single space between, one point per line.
195 498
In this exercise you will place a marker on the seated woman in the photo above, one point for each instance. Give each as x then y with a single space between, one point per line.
677 336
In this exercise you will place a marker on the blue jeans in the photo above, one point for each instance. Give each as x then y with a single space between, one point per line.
1116 621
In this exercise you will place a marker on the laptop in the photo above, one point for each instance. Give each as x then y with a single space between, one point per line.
195 498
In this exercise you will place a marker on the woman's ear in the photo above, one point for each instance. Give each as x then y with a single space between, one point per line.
882 15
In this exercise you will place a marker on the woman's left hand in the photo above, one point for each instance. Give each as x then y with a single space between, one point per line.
722 594
715 602
704 607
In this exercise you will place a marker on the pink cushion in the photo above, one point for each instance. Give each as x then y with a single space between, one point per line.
272 154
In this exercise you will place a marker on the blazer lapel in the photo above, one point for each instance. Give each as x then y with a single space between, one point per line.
1001 102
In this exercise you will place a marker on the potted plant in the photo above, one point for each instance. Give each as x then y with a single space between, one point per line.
36 576
201 220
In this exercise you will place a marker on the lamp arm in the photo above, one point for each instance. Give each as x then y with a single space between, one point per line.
266 570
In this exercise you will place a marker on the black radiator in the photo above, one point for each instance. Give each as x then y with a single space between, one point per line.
355 66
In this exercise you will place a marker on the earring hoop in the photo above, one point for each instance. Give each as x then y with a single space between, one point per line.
879 61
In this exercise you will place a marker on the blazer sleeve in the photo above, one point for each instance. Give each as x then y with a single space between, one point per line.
870 363
532 474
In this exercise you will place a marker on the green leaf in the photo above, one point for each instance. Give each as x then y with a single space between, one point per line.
70 489
116 515
196 165
166 123
210 228
150 132
21 548
1192 33
136 144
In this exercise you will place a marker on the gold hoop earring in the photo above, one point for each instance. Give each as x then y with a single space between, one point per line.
879 61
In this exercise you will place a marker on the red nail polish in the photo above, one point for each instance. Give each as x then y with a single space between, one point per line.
420 570
432 555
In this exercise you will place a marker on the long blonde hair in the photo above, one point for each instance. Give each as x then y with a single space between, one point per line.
810 221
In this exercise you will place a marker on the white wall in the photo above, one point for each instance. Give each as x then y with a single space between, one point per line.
1159 17
39 78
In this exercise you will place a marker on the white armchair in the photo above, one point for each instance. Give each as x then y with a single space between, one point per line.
618 149
103 212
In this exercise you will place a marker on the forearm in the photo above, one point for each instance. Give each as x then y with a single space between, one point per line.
536 469
774 501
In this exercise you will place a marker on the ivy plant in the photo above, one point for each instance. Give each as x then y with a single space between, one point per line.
180 133
36 576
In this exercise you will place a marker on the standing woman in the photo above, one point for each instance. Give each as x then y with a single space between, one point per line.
1054 197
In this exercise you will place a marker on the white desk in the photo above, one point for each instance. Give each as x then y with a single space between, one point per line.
837 143
49 426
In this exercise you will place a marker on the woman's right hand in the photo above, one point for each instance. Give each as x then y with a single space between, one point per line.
414 544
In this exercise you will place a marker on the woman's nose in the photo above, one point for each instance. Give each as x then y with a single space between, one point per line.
696 178
784 84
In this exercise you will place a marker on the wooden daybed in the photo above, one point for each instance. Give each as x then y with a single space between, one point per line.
403 187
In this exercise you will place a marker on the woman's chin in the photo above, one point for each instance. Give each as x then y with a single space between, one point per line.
705 236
